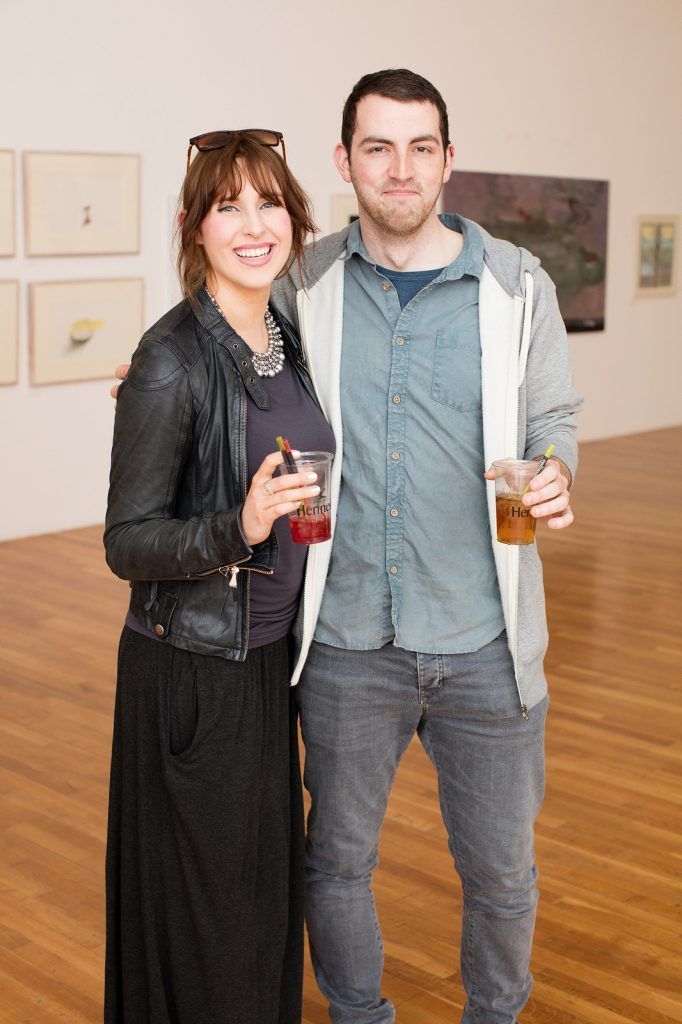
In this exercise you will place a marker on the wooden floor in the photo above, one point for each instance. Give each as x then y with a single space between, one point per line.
609 937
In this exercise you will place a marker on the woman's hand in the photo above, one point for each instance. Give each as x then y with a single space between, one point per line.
272 496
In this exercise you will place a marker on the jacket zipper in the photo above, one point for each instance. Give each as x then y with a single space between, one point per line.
232 570
218 568
245 482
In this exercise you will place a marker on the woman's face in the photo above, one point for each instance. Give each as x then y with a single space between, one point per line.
247 240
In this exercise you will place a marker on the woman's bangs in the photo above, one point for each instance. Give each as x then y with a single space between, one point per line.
255 163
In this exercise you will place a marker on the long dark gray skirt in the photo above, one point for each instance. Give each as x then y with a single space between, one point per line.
205 844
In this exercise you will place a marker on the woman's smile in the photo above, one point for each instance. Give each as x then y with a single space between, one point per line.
254 255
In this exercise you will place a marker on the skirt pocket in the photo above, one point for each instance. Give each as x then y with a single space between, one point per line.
183 704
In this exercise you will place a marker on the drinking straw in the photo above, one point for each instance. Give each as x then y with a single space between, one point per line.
290 463
285 449
541 465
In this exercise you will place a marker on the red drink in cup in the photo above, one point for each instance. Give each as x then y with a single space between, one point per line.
310 529
311 523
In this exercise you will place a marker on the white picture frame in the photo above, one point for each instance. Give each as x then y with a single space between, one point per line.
7 226
81 330
9 332
658 241
81 204
344 210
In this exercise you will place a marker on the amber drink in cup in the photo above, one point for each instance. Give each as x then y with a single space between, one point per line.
515 524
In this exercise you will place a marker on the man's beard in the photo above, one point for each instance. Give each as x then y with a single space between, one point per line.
392 217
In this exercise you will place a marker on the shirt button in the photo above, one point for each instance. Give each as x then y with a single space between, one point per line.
393 570
395 456
394 512
386 286
400 341
396 399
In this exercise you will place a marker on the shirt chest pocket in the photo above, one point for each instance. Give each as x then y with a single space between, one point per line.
457 370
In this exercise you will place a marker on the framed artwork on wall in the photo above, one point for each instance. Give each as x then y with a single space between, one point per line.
6 202
657 243
9 331
81 204
80 330
344 210
563 221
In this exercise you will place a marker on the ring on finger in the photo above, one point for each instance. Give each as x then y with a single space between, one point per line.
268 488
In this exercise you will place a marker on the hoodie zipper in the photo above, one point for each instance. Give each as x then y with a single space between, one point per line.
524 344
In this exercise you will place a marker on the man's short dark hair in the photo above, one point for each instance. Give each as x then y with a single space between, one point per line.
395 84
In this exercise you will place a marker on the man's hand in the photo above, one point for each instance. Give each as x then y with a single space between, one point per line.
548 496
119 372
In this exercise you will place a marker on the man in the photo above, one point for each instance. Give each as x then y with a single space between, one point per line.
434 349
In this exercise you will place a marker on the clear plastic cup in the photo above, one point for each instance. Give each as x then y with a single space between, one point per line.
311 522
515 524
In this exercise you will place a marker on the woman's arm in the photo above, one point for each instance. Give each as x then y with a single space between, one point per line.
152 439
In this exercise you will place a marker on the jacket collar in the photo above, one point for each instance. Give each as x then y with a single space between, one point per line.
240 353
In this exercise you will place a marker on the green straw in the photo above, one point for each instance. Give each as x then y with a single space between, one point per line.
543 462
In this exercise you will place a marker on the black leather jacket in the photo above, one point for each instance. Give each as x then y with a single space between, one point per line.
179 479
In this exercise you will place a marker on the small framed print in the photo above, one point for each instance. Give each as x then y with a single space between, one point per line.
344 210
6 203
9 331
657 243
81 330
81 204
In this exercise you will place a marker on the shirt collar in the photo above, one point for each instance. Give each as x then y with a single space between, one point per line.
469 261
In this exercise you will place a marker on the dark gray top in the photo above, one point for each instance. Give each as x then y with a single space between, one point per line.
294 415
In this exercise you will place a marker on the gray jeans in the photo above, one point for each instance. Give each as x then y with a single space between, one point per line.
359 711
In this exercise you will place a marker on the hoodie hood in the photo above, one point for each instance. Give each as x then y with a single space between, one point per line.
506 261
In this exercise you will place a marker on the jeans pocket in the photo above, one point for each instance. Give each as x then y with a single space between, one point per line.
457 371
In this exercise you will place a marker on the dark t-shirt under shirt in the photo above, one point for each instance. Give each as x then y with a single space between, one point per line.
409 283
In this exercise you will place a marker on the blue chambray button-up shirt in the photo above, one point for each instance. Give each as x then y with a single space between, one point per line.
412 560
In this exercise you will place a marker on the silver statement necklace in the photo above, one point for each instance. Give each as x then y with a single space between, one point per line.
270 362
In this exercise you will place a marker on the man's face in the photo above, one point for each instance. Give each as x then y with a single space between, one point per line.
397 164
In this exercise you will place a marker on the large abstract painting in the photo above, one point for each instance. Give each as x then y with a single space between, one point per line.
563 221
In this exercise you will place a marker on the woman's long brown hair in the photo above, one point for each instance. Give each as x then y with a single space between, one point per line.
219 174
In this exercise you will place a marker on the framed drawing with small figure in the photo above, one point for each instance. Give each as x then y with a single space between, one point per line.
81 204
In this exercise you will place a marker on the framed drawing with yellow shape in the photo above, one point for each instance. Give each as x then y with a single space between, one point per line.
81 329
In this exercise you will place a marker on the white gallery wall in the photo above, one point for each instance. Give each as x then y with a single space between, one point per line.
587 89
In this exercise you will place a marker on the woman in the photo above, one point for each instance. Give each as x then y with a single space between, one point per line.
204 860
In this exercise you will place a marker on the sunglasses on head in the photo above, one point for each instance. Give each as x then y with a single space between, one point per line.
217 140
